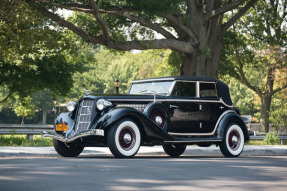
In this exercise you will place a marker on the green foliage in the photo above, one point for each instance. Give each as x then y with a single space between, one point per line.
25 108
18 140
278 113
125 66
32 53
271 139
241 96
155 7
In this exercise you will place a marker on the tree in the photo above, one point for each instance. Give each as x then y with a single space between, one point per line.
106 66
257 51
32 55
43 100
193 28
25 108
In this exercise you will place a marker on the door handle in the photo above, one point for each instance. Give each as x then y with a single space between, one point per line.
173 107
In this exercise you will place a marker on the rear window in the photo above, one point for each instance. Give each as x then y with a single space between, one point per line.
207 90
185 89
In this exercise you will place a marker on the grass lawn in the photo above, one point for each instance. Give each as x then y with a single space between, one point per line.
23 141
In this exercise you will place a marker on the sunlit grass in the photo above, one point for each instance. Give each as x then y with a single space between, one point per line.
255 142
23 141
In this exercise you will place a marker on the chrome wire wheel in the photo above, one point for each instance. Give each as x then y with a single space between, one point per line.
233 142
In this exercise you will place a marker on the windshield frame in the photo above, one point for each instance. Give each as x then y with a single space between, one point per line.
150 82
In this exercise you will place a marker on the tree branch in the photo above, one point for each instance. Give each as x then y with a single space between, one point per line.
284 10
279 89
85 36
5 99
100 19
171 19
243 77
173 44
222 10
141 21
237 16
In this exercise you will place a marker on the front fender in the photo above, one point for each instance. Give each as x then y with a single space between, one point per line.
147 127
64 118
228 118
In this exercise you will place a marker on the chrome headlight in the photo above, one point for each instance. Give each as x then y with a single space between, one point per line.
71 106
102 103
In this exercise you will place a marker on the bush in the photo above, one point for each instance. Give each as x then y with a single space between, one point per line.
271 139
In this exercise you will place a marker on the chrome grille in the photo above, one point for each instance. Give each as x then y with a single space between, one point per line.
139 107
84 115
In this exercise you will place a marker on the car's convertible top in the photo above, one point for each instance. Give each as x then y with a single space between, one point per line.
222 88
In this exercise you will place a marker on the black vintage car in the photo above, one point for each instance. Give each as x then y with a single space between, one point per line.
172 111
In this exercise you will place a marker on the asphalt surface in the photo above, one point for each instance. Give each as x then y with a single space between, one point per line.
41 168
90 172
278 150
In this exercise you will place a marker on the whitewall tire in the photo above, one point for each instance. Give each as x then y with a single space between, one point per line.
233 142
124 139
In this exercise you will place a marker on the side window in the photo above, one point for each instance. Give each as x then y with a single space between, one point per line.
208 90
185 89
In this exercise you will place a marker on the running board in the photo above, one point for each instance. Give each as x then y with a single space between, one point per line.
194 140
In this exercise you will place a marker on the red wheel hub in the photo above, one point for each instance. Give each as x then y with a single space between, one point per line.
234 140
127 138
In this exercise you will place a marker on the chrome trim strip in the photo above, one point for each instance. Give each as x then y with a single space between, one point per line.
197 90
200 100
204 134
195 141
61 138
151 100
152 80
173 100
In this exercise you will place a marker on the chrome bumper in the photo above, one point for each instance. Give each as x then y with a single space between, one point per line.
61 138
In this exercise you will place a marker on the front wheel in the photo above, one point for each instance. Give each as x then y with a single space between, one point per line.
174 150
67 149
124 139
233 142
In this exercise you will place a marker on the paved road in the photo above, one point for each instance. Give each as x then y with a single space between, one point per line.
99 172
249 150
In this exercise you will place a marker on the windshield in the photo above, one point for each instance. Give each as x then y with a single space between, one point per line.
151 87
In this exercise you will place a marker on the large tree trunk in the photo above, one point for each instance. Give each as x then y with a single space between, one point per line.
203 62
265 109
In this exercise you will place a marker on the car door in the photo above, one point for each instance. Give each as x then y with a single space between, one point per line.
184 113
210 106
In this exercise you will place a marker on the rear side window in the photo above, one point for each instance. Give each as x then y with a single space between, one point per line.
185 89
208 90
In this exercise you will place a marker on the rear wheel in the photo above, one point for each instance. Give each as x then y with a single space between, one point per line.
174 150
233 142
124 139
67 149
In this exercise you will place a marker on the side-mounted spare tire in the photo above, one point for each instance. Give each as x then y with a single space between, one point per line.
158 114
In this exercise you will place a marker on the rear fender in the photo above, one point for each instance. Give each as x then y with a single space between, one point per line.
229 118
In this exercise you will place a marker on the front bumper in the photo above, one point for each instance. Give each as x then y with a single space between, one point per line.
61 138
